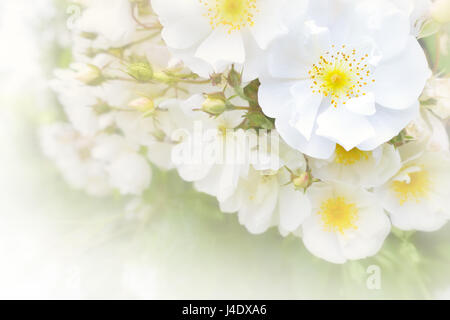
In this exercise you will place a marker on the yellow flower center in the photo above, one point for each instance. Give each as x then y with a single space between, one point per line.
418 187
233 14
338 214
345 157
340 75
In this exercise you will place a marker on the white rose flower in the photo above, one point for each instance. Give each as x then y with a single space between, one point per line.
71 153
96 163
102 16
418 197
266 198
347 223
153 131
418 11
439 90
80 99
262 201
429 130
210 35
195 155
361 168
353 78
128 171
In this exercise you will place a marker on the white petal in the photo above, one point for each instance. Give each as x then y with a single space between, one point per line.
196 65
231 119
268 23
186 32
316 41
373 226
293 12
284 59
400 81
174 10
255 61
410 215
233 203
364 105
306 108
256 214
320 242
316 146
344 127
417 220
160 154
387 167
438 140
222 46
292 56
210 183
383 163
221 181
275 96
294 208
130 173
387 25
193 172
387 123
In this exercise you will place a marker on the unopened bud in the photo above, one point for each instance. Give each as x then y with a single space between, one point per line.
162 77
89 35
440 11
214 104
159 135
216 79
101 107
143 104
90 75
302 181
234 78
143 6
117 52
141 71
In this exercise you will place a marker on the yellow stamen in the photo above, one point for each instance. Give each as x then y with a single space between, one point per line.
339 76
233 14
345 157
339 215
418 188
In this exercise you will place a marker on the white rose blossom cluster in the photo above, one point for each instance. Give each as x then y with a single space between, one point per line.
321 118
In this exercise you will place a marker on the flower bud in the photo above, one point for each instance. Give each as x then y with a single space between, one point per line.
143 6
89 35
141 71
440 11
216 79
214 104
90 75
159 134
101 107
302 181
234 78
162 77
143 104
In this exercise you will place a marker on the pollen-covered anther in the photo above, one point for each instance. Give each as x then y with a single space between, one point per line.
339 215
417 188
233 14
341 75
